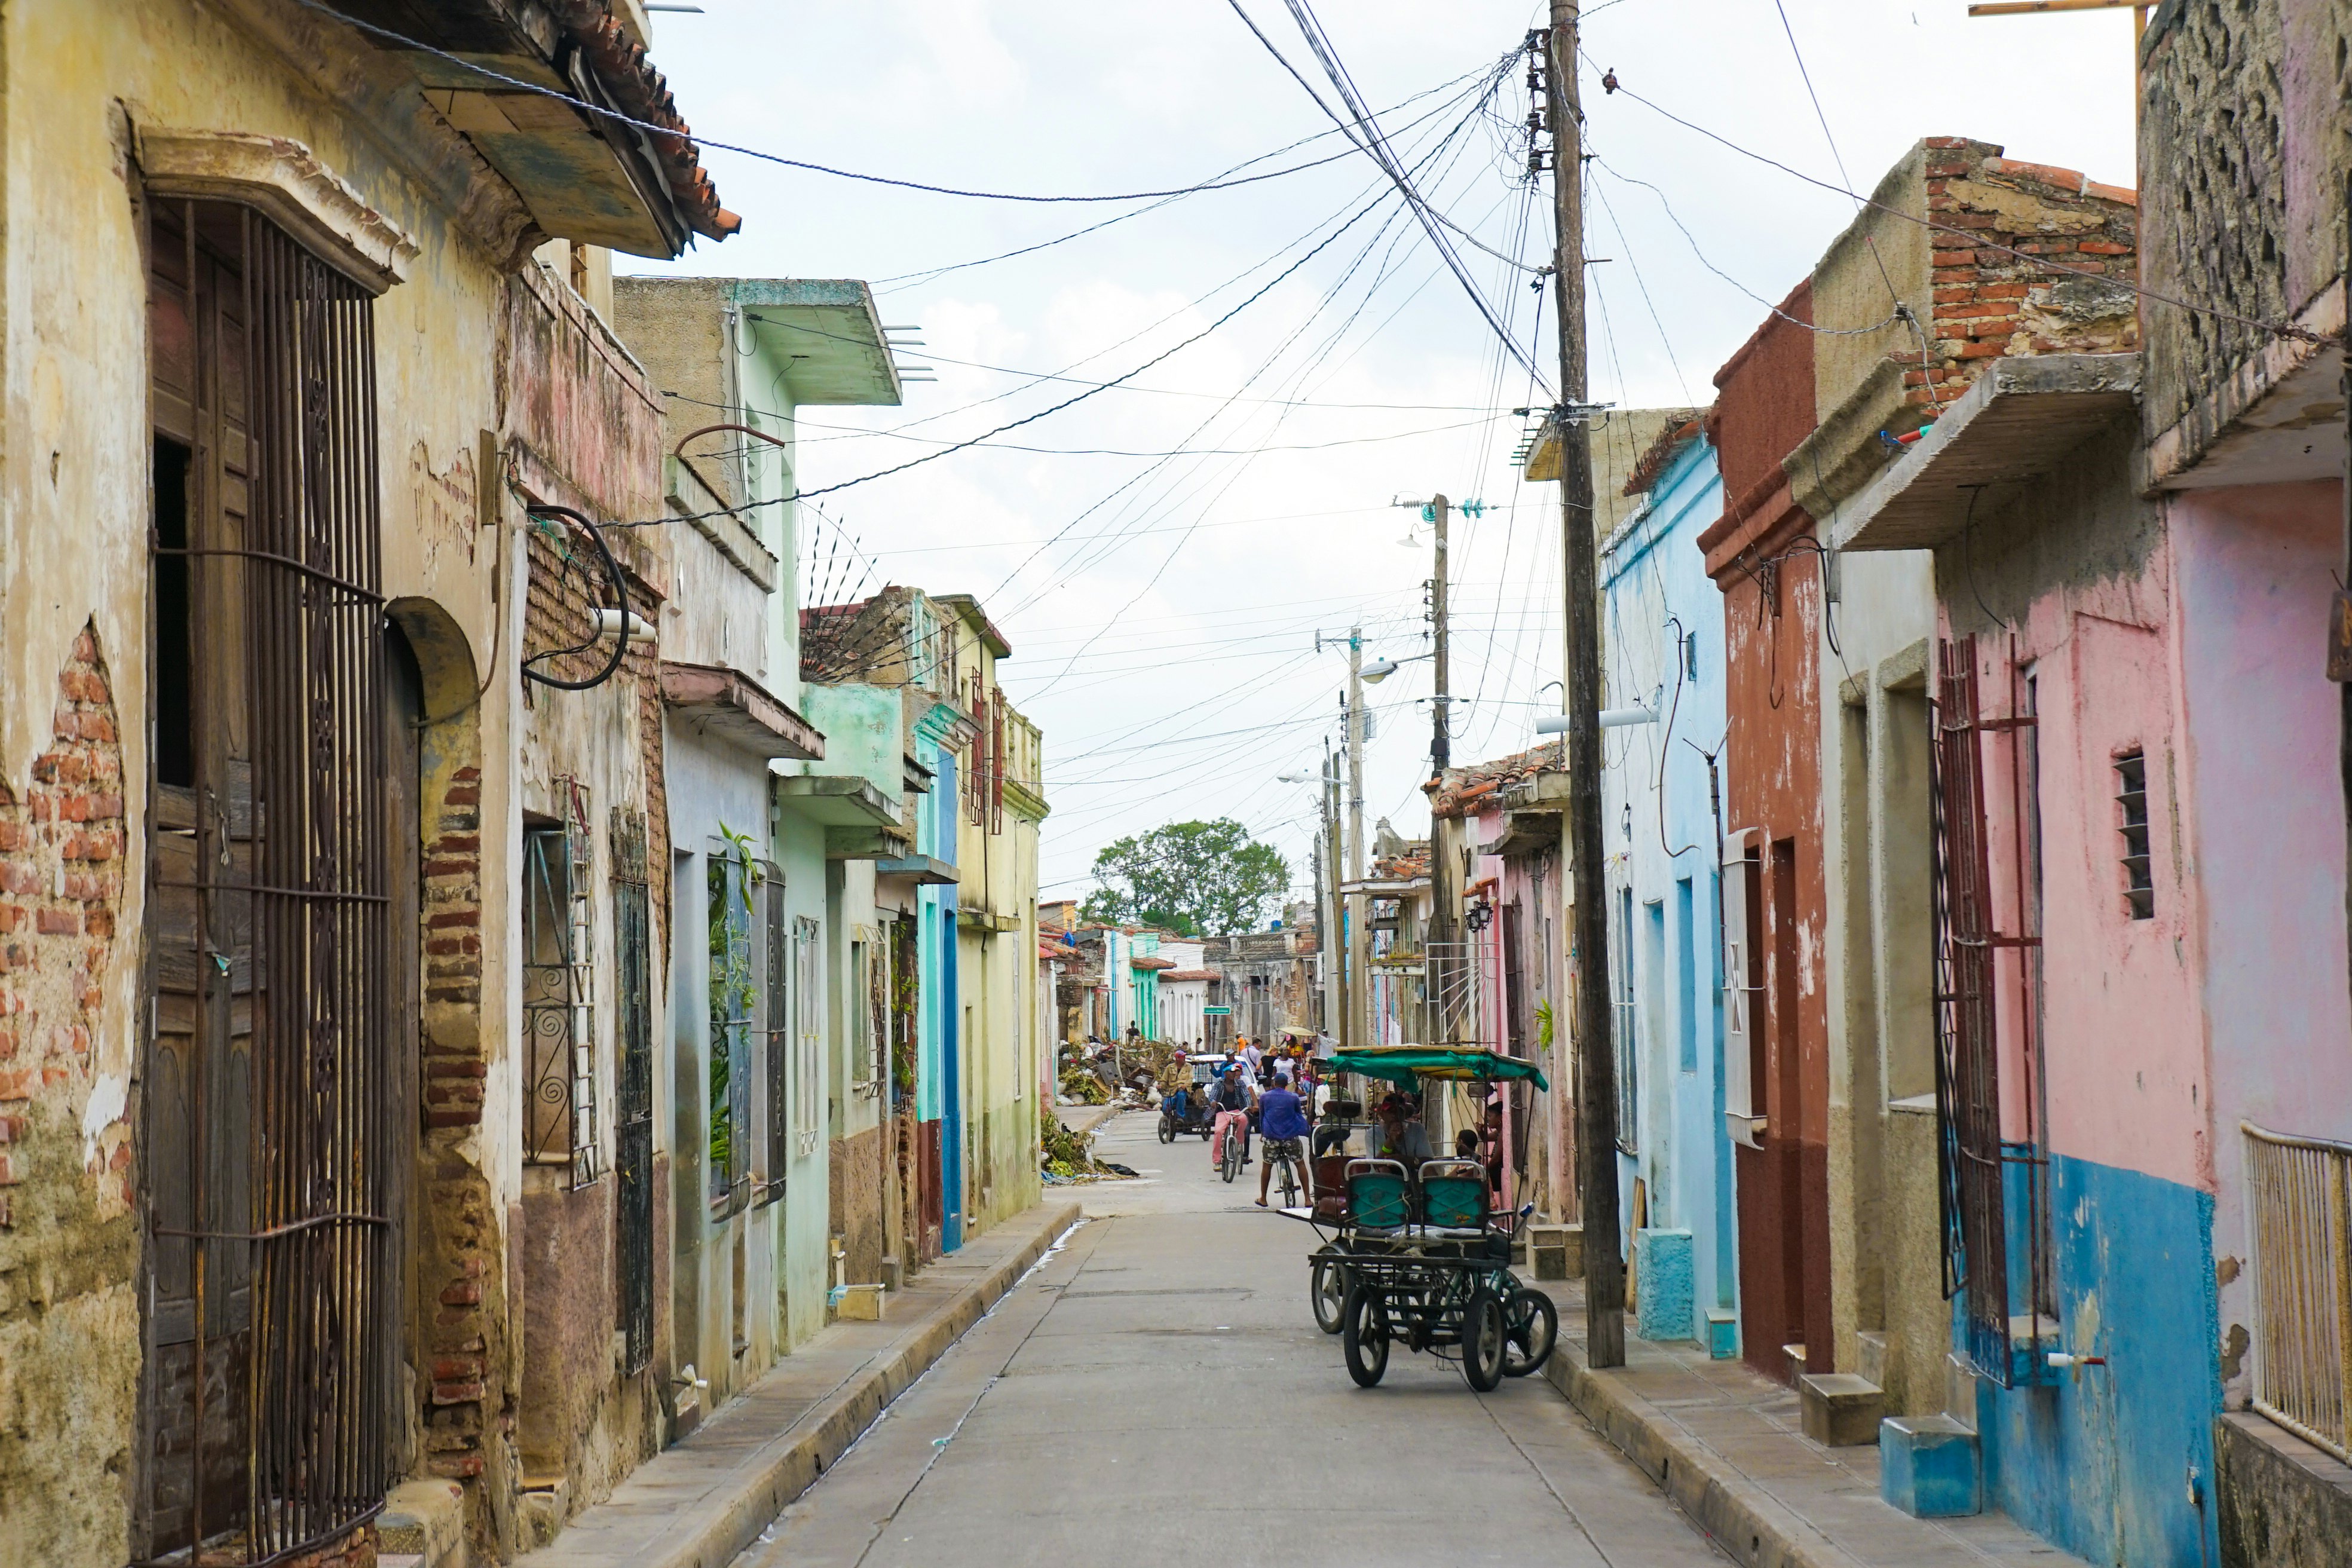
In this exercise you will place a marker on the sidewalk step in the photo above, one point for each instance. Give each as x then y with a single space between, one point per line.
1840 1409
1929 1467
1728 1445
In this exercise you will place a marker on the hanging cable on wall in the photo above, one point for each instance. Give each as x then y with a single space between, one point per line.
597 622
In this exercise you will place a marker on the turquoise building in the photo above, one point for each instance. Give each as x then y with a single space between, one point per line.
1664 635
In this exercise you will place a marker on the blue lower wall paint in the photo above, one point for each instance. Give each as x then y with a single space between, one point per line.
1666 1308
2099 1462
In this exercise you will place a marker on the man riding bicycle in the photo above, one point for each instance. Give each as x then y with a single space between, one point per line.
1282 1122
1232 1104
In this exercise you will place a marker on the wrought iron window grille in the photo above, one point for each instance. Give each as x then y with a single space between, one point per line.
633 1118
732 995
777 1033
1973 1158
271 1147
559 978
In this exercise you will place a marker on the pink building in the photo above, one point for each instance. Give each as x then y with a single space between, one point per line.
2143 1082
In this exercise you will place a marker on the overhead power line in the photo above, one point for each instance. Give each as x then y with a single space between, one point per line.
982 438
910 280
1365 132
516 84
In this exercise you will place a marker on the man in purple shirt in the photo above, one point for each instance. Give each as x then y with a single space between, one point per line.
1282 1124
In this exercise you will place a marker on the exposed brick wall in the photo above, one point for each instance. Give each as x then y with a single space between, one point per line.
461 1327
454 1064
61 858
69 1334
1989 302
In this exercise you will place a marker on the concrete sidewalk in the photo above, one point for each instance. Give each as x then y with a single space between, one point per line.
1723 1442
1082 1120
699 1504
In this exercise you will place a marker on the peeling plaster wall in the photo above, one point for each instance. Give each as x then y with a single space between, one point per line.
2080 581
470 364
1773 651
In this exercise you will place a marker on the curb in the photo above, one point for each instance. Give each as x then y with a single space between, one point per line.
1748 1522
1102 1114
774 1476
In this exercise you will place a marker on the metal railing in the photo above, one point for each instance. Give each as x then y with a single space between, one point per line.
2299 1217
1455 990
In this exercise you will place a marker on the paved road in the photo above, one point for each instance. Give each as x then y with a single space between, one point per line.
1156 1391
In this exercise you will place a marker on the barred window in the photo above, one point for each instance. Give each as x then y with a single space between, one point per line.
777 1031
729 890
276 1128
558 991
2131 804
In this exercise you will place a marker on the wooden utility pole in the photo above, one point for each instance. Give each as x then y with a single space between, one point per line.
1352 909
1336 978
1604 1263
1442 967
1441 738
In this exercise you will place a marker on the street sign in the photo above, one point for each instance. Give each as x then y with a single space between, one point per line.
1221 1012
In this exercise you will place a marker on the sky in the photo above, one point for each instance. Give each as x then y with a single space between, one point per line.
1163 555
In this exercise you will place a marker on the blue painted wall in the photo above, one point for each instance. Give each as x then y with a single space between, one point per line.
1664 644
2099 1464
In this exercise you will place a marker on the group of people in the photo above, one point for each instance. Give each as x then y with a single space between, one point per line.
1278 1083
1282 1088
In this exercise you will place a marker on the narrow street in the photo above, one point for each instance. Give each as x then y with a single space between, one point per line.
1156 1391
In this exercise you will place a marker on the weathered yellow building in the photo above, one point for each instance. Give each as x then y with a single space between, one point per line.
329 934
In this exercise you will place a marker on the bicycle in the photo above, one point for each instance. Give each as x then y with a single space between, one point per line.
1284 1153
1230 1165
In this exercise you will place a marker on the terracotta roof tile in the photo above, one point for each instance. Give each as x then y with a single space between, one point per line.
641 92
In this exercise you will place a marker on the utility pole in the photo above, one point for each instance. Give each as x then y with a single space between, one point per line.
1359 991
1335 980
1604 1264
1441 738
1437 958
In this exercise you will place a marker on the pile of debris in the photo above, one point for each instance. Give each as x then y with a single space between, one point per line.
1066 1156
1080 1086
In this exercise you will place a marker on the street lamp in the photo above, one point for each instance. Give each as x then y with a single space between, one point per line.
1611 718
1379 669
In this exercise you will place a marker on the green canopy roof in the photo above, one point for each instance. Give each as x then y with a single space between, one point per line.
1403 1064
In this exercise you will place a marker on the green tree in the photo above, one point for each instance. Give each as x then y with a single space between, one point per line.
1196 879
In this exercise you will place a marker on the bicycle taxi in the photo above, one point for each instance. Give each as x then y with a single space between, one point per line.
1183 1110
1422 1257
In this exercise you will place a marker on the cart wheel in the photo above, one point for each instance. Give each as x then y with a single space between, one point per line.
1483 1340
1167 1128
1329 1289
1364 1336
1530 1329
